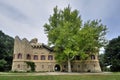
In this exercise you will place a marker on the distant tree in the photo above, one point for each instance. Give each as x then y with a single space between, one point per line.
6 51
112 54
2 64
71 38
102 63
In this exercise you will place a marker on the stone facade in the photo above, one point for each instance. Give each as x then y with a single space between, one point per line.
43 57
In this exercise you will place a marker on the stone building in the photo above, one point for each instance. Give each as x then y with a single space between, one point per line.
44 58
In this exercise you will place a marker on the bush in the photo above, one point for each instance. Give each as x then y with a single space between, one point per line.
32 65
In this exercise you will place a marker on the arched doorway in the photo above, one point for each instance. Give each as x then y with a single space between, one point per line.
57 67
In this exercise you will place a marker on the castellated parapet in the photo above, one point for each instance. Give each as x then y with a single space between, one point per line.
44 58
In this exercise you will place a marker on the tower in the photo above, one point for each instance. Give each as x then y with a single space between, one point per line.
21 48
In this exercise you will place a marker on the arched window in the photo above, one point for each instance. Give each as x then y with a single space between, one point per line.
77 57
28 56
42 57
18 65
92 57
35 57
50 57
19 56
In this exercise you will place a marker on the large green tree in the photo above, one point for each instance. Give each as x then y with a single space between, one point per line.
112 54
6 51
71 38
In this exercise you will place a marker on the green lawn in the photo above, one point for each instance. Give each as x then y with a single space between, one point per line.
115 76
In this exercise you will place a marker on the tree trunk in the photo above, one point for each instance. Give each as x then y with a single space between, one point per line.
69 65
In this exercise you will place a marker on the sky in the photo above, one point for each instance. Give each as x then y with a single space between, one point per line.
25 18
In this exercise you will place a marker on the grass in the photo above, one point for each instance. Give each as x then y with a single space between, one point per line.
24 76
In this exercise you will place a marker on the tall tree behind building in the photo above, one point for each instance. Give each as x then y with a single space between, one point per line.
112 54
6 51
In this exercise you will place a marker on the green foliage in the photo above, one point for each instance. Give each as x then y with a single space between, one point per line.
115 65
102 64
70 37
32 65
6 50
2 63
93 33
112 54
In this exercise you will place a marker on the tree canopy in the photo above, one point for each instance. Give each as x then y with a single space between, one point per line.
112 54
6 51
71 37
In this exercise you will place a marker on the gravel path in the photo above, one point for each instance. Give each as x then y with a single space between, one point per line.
53 73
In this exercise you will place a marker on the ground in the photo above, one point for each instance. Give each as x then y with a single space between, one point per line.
59 76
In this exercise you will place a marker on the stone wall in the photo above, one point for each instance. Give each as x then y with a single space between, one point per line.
23 48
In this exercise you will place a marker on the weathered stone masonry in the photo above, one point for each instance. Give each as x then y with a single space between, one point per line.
43 57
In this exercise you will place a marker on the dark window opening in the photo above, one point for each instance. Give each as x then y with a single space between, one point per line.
35 57
42 57
19 56
65 66
71 66
18 66
92 57
77 57
50 57
28 57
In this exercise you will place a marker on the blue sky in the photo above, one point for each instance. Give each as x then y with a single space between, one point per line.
26 18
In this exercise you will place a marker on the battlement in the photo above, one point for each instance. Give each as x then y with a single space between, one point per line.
24 41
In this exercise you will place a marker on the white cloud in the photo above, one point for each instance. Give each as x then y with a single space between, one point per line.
93 9
36 13
22 30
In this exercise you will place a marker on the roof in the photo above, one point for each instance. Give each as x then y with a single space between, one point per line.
47 47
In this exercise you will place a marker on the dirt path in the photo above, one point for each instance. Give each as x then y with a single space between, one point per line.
52 73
